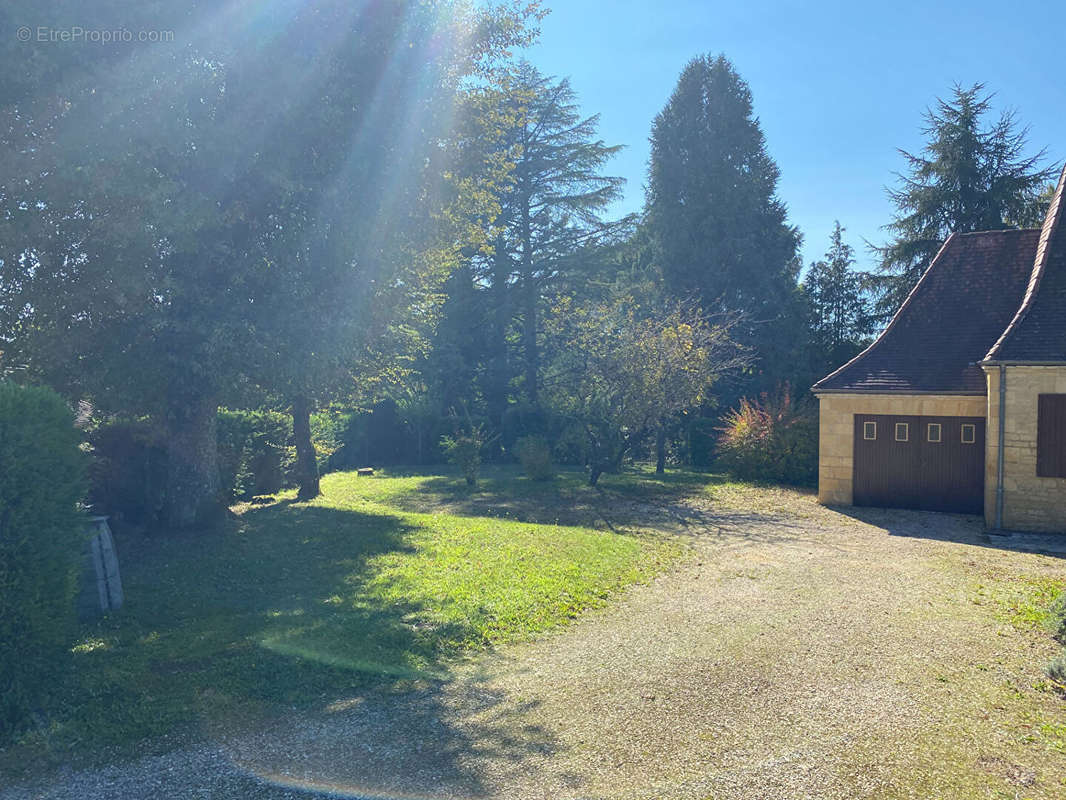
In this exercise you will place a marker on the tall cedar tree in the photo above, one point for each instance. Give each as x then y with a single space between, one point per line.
555 200
841 319
527 133
970 176
470 341
712 209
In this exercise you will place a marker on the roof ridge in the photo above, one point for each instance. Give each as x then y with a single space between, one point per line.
1043 253
1000 230
899 311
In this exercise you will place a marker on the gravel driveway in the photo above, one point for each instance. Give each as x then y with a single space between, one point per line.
799 653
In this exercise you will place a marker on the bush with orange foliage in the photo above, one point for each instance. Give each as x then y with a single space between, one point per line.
773 439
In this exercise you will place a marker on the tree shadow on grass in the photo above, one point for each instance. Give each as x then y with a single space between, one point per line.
269 621
957 528
502 492
566 499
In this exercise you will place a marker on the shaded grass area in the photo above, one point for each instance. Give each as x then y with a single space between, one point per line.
294 604
567 499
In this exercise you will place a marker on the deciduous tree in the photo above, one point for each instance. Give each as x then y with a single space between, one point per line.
620 370
180 219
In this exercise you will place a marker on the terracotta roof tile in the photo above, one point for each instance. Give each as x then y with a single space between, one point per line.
955 314
1038 330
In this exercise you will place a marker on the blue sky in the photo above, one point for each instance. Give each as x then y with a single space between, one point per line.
837 86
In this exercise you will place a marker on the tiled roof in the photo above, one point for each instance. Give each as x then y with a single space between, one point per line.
956 313
1038 330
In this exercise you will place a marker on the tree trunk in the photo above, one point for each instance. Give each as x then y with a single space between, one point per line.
660 449
529 336
306 460
529 312
594 474
499 377
194 494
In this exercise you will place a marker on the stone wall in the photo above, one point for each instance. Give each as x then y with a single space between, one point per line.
837 430
1029 503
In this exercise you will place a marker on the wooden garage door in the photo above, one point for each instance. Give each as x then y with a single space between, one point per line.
929 463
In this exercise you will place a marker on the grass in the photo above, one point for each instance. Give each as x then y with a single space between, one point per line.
505 491
1025 601
292 604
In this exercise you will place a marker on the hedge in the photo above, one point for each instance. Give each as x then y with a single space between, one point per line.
41 538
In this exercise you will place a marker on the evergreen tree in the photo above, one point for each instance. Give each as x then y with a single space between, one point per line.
719 227
970 176
555 201
546 165
840 317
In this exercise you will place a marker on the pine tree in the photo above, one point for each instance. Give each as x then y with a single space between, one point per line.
970 176
841 320
720 229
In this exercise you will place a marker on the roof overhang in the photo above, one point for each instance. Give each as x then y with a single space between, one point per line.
890 393
1015 363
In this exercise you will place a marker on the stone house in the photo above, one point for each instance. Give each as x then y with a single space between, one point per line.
960 404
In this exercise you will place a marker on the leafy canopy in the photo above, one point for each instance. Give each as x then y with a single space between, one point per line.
618 372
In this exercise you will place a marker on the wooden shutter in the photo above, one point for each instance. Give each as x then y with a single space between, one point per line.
1051 436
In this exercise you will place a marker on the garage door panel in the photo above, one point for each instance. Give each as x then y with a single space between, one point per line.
890 462
930 463
953 468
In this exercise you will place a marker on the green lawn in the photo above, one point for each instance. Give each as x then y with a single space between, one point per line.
294 604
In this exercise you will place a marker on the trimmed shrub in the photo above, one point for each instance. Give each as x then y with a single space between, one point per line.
772 440
464 450
464 447
1056 669
535 455
42 480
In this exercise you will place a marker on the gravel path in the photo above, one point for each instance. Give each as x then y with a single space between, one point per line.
800 653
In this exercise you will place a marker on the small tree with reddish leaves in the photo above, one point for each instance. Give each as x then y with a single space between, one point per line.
771 439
